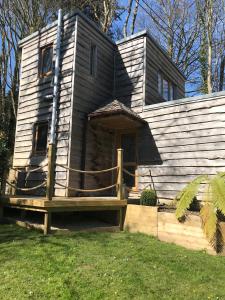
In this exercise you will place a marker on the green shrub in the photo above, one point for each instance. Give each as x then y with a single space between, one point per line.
148 197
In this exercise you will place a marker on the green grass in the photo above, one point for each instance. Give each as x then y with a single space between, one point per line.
104 266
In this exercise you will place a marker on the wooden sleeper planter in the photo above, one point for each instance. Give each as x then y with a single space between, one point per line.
164 225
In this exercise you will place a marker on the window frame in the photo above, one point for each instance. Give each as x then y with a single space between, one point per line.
172 88
35 138
93 59
41 62
118 139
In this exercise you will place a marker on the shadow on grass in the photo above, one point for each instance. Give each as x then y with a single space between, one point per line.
12 233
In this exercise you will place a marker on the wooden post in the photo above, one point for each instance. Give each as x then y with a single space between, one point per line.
51 169
120 174
13 178
23 214
47 222
121 217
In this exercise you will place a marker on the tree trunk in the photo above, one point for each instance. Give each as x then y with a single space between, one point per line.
209 41
127 18
134 17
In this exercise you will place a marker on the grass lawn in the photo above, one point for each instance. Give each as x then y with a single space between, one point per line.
104 266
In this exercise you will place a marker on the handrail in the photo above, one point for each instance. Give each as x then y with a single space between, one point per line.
88 172
87 191
26 189
50 185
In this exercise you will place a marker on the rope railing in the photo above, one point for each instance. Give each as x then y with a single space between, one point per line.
28 171
16 188
87 191
88 171
49 184
26 189
134 175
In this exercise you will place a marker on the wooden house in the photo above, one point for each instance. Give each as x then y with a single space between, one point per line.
126 94
103 88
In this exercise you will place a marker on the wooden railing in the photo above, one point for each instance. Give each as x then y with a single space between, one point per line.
49 183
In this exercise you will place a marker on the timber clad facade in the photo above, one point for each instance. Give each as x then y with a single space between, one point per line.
113 95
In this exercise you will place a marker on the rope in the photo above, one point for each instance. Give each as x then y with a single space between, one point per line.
89 172
134 175
29 171
26 189
87 191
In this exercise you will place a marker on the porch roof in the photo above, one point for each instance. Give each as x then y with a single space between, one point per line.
115 115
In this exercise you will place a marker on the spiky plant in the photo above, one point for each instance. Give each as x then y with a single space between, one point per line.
213 203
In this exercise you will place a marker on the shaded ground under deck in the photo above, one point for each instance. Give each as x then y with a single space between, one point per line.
65 204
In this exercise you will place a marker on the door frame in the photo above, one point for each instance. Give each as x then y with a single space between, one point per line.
118 140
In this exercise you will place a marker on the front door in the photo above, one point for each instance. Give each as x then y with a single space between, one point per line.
128 142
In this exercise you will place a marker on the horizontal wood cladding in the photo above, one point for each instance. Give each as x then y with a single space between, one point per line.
89 92
157 61
180 143
32 106
129 73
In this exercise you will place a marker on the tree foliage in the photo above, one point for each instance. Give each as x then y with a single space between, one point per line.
213 204
192 31
19 18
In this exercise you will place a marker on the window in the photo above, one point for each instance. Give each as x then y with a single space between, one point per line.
166 88
40 138
165 94
46 57
93 60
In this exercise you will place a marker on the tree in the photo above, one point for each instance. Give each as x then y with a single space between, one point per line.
19 18
193 33
173 23
212 40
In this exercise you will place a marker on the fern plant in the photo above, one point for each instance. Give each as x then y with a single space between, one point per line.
213 203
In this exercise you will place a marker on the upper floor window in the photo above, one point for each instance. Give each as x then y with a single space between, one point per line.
40 138
166 88
93 60
46 61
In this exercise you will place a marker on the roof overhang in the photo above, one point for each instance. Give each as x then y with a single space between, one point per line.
112 117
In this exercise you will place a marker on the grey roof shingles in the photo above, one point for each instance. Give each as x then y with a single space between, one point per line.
115 107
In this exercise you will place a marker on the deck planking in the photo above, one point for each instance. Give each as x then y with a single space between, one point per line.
63 202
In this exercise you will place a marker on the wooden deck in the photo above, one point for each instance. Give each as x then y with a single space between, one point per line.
63 204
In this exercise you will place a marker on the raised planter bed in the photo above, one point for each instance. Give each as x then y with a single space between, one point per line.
162 223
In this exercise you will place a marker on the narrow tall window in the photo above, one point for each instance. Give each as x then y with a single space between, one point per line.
93 60
174 92
46 57
40 138
165 90
159 83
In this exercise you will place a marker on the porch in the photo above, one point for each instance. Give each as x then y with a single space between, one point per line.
63 204
106 191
